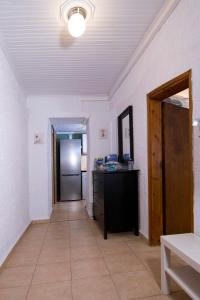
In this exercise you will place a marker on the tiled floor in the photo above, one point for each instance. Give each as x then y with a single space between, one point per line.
68 259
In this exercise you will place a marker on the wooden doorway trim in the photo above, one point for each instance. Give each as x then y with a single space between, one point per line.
154 123
54 166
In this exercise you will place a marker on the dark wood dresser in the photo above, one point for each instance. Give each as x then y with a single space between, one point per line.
115 200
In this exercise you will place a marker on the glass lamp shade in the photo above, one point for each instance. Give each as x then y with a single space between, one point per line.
76 24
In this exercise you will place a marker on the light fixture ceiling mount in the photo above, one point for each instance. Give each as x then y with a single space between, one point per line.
76 13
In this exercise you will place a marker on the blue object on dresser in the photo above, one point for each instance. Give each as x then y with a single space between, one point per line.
111 157
126 157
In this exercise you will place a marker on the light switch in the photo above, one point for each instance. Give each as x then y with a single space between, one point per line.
38 138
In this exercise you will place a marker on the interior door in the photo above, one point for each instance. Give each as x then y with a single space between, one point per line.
55 167
177 206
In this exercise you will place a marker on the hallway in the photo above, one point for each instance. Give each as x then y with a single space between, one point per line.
68 259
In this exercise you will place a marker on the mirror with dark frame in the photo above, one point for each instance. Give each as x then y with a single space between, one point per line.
125 135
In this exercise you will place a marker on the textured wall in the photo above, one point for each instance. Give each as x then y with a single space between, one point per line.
41 109
14 206
174 50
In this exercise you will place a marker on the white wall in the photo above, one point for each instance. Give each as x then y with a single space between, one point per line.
14 206
174 50
41 109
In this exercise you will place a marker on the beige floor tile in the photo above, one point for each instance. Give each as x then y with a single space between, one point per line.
123 263
80 212
55 244
77 209
74 216
64 225
59 217
60 212
34 236
101 288
52 273
151 260
51 291
29 245
13 293
81 232
54 221
94 224
50 256
135 285
82 241
76 224
31 234
110 247
79 225
89 267
74 211
85 252
97 232
58 225
18 259
138 244
62 230
58 235
38 227
14 277
61 206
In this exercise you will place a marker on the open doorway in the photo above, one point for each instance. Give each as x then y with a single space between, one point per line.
170 158
69 159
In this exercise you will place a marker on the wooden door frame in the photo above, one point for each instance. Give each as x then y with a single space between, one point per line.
154 124
54 166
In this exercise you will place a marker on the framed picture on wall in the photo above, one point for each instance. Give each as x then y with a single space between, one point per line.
103 133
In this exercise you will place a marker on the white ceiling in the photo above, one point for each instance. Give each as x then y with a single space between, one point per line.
69 124
47 60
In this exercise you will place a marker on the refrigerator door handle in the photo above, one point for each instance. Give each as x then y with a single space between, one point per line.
71 174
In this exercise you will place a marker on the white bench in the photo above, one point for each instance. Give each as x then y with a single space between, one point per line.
187 247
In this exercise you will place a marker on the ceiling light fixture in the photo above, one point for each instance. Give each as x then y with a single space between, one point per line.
76 14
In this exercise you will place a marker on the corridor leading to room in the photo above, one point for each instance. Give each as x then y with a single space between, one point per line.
68 259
